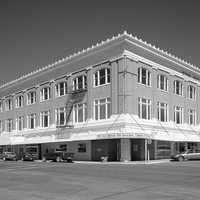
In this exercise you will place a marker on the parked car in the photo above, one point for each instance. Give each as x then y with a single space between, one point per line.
27 157
58 156
187 155
9 156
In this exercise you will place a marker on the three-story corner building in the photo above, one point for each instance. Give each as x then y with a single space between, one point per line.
122 98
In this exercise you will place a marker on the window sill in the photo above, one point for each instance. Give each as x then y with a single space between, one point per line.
101 85
141 84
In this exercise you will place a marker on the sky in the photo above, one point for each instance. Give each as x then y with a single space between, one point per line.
35 33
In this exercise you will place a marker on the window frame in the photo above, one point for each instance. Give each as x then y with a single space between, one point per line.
97 78
29 120
42 93
43 115
97 113
31 100
76 109
58 112
147 78
8 104
191 92
58 88
19 101
192 113
148 106
165 84
180 89
20 119
76 83
165 108
179 110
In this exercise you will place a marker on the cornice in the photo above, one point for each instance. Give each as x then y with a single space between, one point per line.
155 49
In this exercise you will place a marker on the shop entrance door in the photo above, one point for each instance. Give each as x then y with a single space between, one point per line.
137 149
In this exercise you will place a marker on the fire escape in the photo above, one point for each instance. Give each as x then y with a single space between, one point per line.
74 97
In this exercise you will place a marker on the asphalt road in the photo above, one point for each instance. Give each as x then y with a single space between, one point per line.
64 181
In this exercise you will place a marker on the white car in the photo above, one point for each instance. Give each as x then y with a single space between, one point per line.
190 154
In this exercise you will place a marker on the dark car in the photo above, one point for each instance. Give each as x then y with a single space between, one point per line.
27 157
9 156
187 155
58 156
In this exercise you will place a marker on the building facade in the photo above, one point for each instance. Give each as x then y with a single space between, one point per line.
122 98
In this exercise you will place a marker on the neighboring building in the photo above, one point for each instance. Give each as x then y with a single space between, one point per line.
122 98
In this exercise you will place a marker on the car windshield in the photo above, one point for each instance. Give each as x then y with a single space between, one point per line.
188 151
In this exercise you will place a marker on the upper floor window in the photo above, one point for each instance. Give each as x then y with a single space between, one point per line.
178 114
20 123
162 112
191 91
1 106
102 77
79 113
178 87
102 108
192 117
45 119
162 82
45 93
61 116
31 121
144 108
31 97
1 126
8 104
19 101
61 88
80 83
9 125
144 76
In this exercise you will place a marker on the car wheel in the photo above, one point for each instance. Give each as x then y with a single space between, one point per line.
181 158
58 159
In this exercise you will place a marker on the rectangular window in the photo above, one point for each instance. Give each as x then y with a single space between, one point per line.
144 108
19 101
1 106
31 121
191 91
20 123
102 77
45 94
8 104
9 125
178 115
45 119
80 83
162 112
178 88
102 109
162 82
192 117
31 97
81 147
79 113
61 116
144 76
61 88
1 126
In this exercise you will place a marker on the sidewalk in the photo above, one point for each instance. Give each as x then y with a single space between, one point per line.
126 162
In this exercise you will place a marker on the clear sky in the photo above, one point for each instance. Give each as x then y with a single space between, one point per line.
34 33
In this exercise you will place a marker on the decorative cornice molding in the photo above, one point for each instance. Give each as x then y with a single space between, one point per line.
97 45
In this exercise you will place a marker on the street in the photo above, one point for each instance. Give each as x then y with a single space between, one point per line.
78 181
